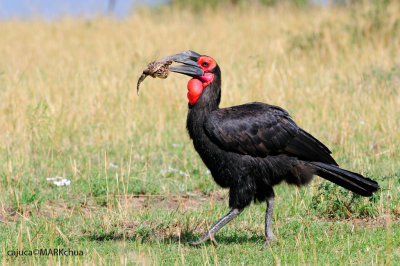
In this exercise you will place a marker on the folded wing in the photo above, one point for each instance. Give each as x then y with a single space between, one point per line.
259 130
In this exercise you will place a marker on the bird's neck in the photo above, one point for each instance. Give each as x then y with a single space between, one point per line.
198 113
209 99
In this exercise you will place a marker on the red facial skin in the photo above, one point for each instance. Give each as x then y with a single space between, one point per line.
196 85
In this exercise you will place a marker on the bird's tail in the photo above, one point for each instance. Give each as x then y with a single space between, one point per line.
352 181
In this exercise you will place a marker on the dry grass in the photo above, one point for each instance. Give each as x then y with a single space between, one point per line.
69 105
71 83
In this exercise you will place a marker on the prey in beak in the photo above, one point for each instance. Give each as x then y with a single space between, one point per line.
161 68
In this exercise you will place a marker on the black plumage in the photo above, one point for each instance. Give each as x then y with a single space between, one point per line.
252 147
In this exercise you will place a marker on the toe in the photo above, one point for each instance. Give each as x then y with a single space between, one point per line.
195 243
214 241
269 239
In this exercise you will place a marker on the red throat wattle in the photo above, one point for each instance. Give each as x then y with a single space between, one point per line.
196 86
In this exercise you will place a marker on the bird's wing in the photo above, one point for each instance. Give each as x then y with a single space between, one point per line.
259 129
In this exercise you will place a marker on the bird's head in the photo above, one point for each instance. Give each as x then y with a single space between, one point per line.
203 70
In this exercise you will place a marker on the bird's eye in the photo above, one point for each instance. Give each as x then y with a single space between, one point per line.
205 64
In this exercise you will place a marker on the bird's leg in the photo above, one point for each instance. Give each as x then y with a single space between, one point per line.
217 226
268 220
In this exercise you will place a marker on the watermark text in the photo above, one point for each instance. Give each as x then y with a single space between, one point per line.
44 252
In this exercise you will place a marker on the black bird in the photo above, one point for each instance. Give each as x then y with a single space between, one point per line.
252 147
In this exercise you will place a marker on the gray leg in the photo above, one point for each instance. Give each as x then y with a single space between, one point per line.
268 220
216 227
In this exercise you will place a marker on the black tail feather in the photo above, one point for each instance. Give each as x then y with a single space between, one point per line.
349 180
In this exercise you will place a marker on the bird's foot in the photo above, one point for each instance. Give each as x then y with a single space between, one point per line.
206 237
269 239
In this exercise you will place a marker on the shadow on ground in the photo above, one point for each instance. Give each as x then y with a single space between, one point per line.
182 238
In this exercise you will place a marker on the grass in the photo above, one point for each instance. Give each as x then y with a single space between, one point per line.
69 108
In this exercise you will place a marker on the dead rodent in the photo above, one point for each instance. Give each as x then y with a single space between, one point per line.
155 69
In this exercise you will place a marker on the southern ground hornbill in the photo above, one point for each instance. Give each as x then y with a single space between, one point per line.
252 147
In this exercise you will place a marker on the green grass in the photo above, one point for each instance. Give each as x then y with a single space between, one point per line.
69 108
156 232
99 215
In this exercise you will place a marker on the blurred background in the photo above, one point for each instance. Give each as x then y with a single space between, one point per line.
86 163
58 8
55 9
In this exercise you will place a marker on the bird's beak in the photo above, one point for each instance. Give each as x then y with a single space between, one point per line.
189 63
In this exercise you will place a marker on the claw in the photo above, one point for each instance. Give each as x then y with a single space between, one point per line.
269 240
206 237
216 227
